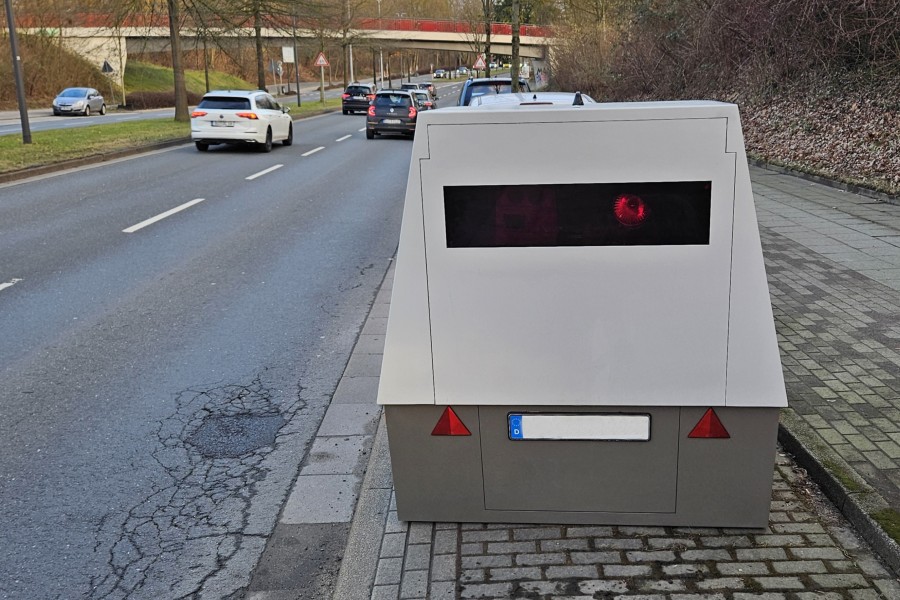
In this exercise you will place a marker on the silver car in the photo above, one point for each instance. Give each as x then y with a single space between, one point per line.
79 100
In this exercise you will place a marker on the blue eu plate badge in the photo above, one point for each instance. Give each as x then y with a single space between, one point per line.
515 427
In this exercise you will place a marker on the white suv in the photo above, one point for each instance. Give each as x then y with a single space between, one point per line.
237 117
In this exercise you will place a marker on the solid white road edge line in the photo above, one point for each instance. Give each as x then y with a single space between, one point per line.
341 139
162 216
313 151
9 284
261 173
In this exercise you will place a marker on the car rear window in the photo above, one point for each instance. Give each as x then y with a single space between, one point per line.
483 88
358 90
395 100
224 103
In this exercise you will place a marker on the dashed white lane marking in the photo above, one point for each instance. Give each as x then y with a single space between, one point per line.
9 284
263 172
363 129
313 151
162 216
341 139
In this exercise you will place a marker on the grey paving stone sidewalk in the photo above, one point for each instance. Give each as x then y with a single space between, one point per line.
835 286
834 277
807 552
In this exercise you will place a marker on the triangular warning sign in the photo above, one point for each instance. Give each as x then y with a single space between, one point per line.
449 424
709 426
321 61
479 64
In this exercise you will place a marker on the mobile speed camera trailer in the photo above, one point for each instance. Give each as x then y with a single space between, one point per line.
580 328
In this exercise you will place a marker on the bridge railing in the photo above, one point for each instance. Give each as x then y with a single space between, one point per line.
105 20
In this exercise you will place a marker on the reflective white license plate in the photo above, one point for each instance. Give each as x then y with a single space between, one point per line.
615 427
392 121
222 123
359 97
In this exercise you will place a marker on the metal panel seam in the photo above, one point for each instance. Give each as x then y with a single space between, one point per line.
427 290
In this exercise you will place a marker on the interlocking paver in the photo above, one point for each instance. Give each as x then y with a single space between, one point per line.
834 280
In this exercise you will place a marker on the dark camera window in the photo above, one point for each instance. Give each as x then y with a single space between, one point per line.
581 214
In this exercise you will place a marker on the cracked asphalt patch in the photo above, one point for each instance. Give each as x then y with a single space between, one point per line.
213 454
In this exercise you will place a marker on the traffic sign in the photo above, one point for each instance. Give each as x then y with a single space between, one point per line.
480 64
321 61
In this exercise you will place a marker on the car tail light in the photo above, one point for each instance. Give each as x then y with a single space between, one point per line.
428 103
345 96
371 111
413 112
198 113
630 210
250 115
370 97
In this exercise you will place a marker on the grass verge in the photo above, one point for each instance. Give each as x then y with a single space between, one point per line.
146 77
57 145
310 108
889 519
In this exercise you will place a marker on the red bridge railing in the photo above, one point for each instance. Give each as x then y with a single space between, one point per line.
372 24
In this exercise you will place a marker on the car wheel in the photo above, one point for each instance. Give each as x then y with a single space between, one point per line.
346 112
202 146
267 145
370 134
87 111
290 138
56 113
102 109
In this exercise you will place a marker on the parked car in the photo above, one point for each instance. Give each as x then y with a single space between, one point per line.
392 111
488 85
440 74
463 71
79 100
241 117
357 97
500 101
424 101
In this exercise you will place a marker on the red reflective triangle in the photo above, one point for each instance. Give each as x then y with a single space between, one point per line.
709 426
449 424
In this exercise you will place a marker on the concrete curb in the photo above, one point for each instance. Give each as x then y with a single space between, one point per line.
832 183
843 499
357 574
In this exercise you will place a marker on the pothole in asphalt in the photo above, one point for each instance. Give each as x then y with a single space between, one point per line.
231 436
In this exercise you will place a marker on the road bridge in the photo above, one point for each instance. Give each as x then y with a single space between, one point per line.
100 38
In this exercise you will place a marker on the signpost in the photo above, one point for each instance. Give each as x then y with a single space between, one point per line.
479 65
321 62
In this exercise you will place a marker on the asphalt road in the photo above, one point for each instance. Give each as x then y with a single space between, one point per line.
42 119
160 387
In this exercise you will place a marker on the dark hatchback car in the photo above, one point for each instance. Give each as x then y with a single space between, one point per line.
392 111
356 98
493 85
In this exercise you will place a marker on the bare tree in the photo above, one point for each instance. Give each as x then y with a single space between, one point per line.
181 105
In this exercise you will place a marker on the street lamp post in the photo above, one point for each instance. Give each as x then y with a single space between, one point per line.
380 52
296 56
17 74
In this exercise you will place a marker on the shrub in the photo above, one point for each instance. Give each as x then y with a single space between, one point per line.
145 100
